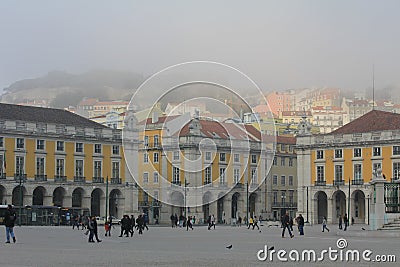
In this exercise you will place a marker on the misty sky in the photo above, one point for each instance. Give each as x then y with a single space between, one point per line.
280 44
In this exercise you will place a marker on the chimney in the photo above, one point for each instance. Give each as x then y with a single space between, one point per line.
154 117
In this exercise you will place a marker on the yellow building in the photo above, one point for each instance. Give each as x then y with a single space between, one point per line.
180 171
61 159
335 169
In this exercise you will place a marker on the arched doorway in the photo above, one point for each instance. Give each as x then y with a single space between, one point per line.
177 203
2 195
58 196
18 195
252 204
235 205
77 196
321 206
339 205
358 207
206 205
95 201
114 202
38 196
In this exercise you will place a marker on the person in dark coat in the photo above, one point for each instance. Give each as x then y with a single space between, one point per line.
285 224
132 225
91 230
9 221
139 224
300 224
346 222
172 218
125 226
95 229
340 222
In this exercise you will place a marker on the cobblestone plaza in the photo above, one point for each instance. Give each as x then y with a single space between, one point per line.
163 246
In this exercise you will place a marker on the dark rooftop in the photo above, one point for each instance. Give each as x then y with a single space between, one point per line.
373 121
44 115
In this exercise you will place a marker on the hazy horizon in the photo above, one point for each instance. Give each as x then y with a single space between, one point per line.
279 44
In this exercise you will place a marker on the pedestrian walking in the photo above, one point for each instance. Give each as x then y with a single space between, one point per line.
9 221
285 224
91 230
139 224
340 222
213 221
251 221
209 222
107 226
132 225
95 229
172 218
300 224
240 221
324 225
255 223
189 223
291 223
346 222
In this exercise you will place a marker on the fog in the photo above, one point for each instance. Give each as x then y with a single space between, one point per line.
279 44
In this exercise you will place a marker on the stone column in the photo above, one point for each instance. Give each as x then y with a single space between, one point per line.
330 213
377 213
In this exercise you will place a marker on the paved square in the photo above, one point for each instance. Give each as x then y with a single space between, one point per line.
163 246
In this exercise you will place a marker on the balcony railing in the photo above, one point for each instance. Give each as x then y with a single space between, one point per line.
207 183
338 182
320 183
116 181
18 177
60 178
176 183
79 179
284 205
40 177
357 182
145 204
223 184
239 185
3 176
98 180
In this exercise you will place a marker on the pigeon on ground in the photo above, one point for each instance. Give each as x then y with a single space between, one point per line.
259 231
229 247
363 228
271 248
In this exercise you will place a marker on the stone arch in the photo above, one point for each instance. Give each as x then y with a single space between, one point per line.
321 207
358 206
339 205
207 197
96 202
115 203
177 203
38 196
235 205
252 204
18 193
77 197
58 196
3 193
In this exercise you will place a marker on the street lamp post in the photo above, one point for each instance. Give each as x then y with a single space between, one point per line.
247 202
107 199
185 189
368 196
307 206
20 195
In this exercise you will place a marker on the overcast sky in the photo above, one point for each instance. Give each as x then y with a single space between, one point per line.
280 44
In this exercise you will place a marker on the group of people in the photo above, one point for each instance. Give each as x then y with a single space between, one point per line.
129 224
182 221
253 222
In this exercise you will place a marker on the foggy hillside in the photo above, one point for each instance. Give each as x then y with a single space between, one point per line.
62 89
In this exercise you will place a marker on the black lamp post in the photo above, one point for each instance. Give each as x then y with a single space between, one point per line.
185 189
307 206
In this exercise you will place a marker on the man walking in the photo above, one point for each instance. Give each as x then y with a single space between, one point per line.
340 222
324 225
300 223
9 222
346 222
285 224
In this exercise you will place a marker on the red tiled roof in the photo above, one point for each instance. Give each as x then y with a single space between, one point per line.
373 121
286 140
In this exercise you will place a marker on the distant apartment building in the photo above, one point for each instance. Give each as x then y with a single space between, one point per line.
356 108
328 118
295 117
280 101
281 182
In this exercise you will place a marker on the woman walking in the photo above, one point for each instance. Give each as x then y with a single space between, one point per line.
324 225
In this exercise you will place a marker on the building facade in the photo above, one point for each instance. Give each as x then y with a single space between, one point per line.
61 159
335 170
